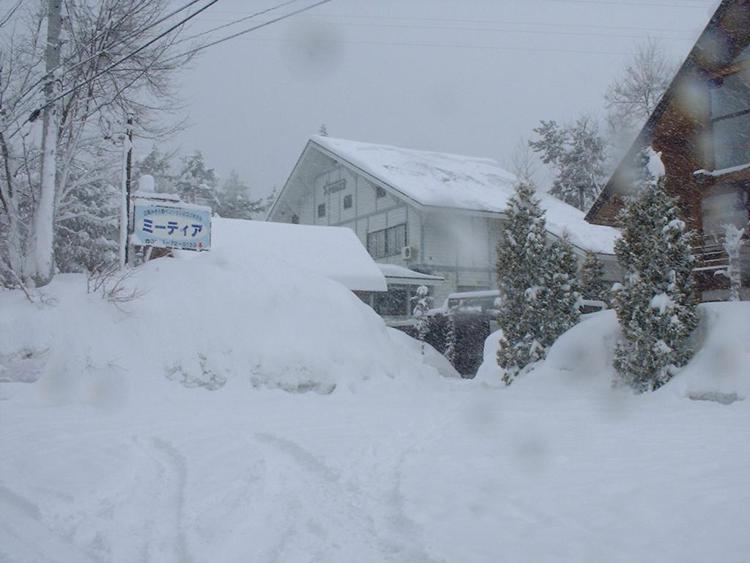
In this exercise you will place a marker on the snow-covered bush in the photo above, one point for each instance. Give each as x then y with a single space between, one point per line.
732 245
655 305
422 305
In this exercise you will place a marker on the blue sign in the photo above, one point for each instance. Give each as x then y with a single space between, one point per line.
165 225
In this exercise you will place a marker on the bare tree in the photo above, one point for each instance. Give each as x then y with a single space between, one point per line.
524 163
633 96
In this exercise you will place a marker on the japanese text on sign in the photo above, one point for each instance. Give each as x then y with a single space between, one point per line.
186 227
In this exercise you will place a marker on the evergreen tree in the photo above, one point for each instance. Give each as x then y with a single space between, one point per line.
323 131
593 285
158 165
562 290
234 199
521 279
655 305
577 153
196 183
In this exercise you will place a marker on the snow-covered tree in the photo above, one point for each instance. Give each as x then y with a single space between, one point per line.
521 279
562 293
655 304
593 284
323 131
733 242
196 183
87 119
234 199
159 165
577 154
422 306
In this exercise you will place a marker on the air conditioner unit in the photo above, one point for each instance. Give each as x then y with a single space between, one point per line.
407 253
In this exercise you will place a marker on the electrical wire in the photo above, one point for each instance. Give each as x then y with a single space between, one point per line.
33 116
246 31
101 52
235 22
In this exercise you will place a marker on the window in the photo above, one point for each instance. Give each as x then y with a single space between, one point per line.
387 242
395 303
379 192
322 210
348 201
730 118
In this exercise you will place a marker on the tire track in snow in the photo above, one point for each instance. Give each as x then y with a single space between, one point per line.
335 508
158 504
24 532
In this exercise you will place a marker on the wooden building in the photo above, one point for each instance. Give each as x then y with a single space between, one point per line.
435 216
701 127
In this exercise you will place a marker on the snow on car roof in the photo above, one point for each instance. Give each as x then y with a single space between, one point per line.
462 182
332 252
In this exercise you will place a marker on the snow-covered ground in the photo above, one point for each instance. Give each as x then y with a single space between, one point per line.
114 448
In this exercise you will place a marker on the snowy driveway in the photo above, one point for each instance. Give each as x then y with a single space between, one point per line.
452 472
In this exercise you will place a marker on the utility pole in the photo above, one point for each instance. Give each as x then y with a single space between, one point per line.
127 165
41 268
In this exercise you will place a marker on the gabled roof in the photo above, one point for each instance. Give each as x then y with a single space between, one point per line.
332 252
454 182
712 49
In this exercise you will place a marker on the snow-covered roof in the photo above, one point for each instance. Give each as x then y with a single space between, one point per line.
461 182
333 252
395 272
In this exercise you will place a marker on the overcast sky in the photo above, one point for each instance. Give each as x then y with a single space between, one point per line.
464 76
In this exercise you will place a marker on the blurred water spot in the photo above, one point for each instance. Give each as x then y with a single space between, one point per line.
313 50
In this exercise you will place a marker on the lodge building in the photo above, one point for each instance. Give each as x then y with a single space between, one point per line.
701 127
427 218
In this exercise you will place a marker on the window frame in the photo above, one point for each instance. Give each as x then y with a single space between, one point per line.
321 210
380 242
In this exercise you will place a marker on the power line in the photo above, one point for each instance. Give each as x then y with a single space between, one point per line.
248 30
101 52
517 31
182 22
461 46
235 22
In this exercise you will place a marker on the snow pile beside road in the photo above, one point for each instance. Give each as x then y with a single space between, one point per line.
720 370
582 357
201 322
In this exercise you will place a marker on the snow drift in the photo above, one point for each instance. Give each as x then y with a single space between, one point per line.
201 322
583 356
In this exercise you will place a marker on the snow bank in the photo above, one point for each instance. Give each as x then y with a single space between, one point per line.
202 322
581 359
431 357
720 370
582 356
